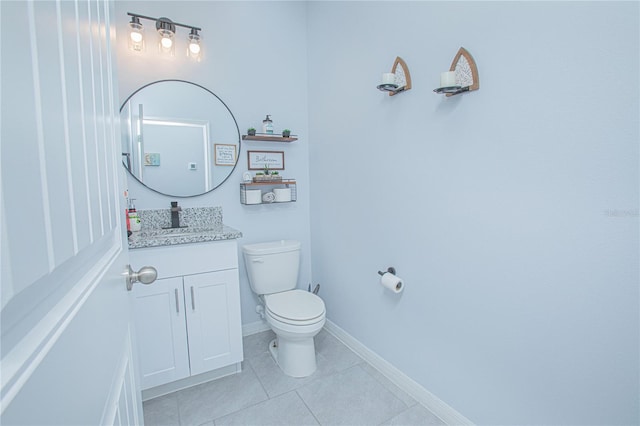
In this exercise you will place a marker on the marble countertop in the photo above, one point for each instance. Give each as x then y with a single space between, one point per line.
157 237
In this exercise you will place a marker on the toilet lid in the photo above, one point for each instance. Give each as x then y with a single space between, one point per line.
295 305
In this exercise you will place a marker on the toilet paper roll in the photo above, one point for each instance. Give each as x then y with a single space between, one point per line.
392 282
254 196
282 194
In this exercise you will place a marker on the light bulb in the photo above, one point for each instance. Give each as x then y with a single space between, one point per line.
166 42
136 37
194 48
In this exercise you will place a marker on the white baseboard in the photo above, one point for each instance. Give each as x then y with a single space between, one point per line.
254 327
434 404
188 382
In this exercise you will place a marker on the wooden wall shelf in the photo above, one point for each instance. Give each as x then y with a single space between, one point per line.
284 183
268 138
275 182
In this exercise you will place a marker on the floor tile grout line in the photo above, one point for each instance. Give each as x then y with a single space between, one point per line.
394 416
308 408
248 406
178 408
258 377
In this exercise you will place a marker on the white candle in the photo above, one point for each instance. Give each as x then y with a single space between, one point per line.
448 79
388 78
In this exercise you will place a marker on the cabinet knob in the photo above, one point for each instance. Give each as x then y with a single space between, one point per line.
146 275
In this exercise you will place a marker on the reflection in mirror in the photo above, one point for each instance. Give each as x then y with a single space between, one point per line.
170 131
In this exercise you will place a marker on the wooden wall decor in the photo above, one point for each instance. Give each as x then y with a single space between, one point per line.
467 79
403 78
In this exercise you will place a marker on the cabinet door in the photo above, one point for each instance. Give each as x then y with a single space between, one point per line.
161 332
213 320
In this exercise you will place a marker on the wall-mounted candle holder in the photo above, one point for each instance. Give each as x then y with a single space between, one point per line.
398 80
461 77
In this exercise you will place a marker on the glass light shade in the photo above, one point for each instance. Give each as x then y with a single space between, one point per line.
136 36
193 50
166 44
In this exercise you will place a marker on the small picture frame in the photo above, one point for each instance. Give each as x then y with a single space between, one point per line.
259 160
151 159
225 154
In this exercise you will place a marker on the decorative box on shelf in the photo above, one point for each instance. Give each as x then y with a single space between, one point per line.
266 192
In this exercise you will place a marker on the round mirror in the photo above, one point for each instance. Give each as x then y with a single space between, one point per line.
178 138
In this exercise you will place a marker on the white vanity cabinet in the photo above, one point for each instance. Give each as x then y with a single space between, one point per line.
188 321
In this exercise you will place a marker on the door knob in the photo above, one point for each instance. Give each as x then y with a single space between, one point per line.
146 275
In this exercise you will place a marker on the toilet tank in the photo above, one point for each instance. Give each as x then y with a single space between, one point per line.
272 267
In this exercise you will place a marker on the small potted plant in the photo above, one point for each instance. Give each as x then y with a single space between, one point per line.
286 133
251 131
275 176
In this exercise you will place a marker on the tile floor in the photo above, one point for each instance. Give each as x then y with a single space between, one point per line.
344 390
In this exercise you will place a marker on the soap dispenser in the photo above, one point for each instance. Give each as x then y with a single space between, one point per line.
134 218
267 125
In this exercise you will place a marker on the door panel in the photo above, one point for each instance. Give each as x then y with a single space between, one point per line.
66 337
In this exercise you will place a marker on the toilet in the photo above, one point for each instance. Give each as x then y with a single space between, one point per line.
294 315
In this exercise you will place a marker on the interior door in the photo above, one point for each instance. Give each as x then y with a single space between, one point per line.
67 353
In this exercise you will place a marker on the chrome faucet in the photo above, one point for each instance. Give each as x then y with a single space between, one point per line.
175 215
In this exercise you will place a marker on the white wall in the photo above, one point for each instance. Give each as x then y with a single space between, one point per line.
511 212
255 61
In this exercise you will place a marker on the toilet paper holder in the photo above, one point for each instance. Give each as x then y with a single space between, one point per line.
390 269
389 280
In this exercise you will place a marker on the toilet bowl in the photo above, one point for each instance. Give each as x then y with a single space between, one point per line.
295 316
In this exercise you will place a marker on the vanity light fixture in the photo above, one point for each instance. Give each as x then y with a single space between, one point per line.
136 34
193 51
167 30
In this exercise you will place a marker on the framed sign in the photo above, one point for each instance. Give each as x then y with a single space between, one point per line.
225 154
259 160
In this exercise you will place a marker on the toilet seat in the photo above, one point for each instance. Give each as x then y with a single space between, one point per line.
295 307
